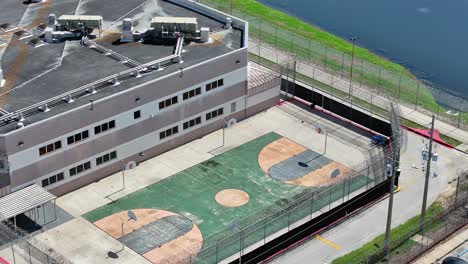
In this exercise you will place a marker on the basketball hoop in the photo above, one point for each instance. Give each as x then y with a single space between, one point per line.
130 165
319 130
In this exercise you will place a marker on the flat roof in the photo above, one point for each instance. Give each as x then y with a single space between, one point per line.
36 71
23 200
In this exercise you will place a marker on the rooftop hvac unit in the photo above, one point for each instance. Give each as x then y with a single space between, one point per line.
185 25
204 34
71 22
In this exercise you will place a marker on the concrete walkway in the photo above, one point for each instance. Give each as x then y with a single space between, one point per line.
457 242
368 94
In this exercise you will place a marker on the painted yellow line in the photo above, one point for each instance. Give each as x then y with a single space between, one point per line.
328 242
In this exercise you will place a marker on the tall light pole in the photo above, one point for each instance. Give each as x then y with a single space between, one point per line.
353 39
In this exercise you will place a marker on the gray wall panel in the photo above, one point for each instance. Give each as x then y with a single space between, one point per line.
105 108
118 137
116 167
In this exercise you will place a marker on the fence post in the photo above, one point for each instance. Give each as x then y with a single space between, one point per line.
308 61
311 206
460 112
329 204
438 105
217 252
264 231
289 218
417 95
360 80
344 188
378 82
276 39
399 88
342 64
13 252
326 56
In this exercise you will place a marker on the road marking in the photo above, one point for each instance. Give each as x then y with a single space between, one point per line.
328 242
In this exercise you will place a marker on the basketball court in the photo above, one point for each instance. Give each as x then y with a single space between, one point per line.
191 210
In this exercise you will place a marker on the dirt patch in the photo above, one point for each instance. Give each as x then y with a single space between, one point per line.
232 198
278 151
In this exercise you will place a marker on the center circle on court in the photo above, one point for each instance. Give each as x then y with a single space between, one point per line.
232 197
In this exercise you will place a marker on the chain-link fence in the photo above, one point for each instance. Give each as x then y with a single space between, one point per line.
25 248
413 243
331 70
257 229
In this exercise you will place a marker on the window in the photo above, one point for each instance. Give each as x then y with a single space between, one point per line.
192 123
233 107
107 157
167 102
80 168
191 93
104 127
77 137
169 132
214 113
50 148
53 179
214 85
136 114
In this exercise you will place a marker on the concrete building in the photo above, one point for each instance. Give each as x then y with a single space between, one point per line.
73 112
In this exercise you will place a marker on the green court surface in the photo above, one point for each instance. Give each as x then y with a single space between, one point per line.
191 193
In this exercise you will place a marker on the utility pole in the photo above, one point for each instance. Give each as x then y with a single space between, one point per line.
393 167
428 172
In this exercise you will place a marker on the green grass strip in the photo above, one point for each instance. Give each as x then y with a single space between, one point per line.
402 231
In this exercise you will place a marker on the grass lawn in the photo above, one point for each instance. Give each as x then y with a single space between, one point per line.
407 88
409 228
285 21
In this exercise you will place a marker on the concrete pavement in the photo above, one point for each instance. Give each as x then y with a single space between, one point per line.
360 229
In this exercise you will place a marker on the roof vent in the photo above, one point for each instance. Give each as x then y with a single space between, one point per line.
204 34
44 108
52 20
127 30
19 125
228 23
69 99
19 117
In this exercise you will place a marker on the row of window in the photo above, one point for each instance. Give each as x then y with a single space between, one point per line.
136 115
191 93
192 123
167 102
78 137
214 113
214 85
169 132
80 168
52 179
107 157
50 148
104 127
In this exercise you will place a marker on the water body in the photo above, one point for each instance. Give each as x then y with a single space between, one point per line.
429 37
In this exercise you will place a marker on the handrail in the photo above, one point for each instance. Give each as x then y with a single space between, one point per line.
91 44
89 87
